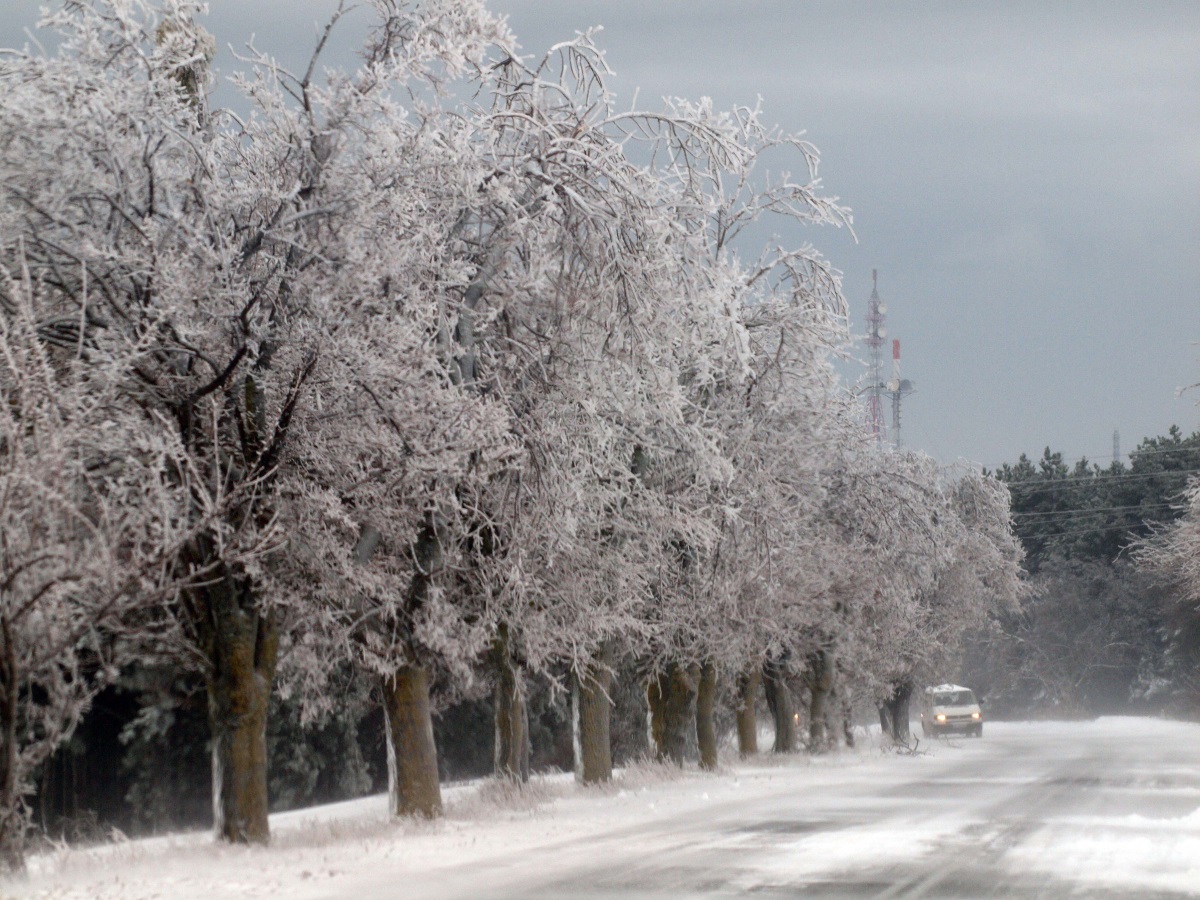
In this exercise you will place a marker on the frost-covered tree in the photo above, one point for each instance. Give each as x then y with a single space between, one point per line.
951 561
983 578
113 167
457 372
604 308
90 517
1081 642
766 573
1172 555
884 514
570 320
756 378
255 258
391 440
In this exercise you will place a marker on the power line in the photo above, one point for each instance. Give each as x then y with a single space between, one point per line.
1035 485
1087 509
1083 531
1042 478
1074 532
1182 448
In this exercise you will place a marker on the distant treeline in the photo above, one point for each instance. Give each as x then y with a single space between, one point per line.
1096 633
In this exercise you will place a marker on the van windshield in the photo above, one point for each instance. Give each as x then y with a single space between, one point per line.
953 698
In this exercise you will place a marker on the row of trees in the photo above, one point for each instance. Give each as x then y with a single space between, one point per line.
440 389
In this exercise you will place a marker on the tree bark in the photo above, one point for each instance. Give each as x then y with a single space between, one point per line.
747 718
885 719
12 824
242 654
413 785
512 715
820 685
671 696
779 700
706 730
656 703
594 720
897 711
847 713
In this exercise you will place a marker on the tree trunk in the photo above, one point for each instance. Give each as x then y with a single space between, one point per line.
680 710
847 710
242 654
656 709
897 711
512 715
820 685
671 696
779 700
593 716
706 729
12 822
747 719
413 786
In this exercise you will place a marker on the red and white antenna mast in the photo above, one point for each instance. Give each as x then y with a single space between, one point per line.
875 387
898 387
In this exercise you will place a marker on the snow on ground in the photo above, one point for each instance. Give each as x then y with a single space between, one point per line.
1123 851
1131 852
794 820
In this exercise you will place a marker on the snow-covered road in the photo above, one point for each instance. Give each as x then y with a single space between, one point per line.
1099 809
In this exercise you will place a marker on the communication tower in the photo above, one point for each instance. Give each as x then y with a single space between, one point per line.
875 335
898 387
876 388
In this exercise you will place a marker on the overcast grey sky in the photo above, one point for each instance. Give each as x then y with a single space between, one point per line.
1024 175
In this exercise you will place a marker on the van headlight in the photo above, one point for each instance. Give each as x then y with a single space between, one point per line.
941 717
974 715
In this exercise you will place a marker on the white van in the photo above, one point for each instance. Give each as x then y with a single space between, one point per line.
950 709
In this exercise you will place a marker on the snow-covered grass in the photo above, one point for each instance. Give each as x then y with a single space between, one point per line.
350 833
789 821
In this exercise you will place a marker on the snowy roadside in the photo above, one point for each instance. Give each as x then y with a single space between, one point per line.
312 849
1112 804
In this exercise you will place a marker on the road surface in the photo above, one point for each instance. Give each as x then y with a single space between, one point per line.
1103 809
